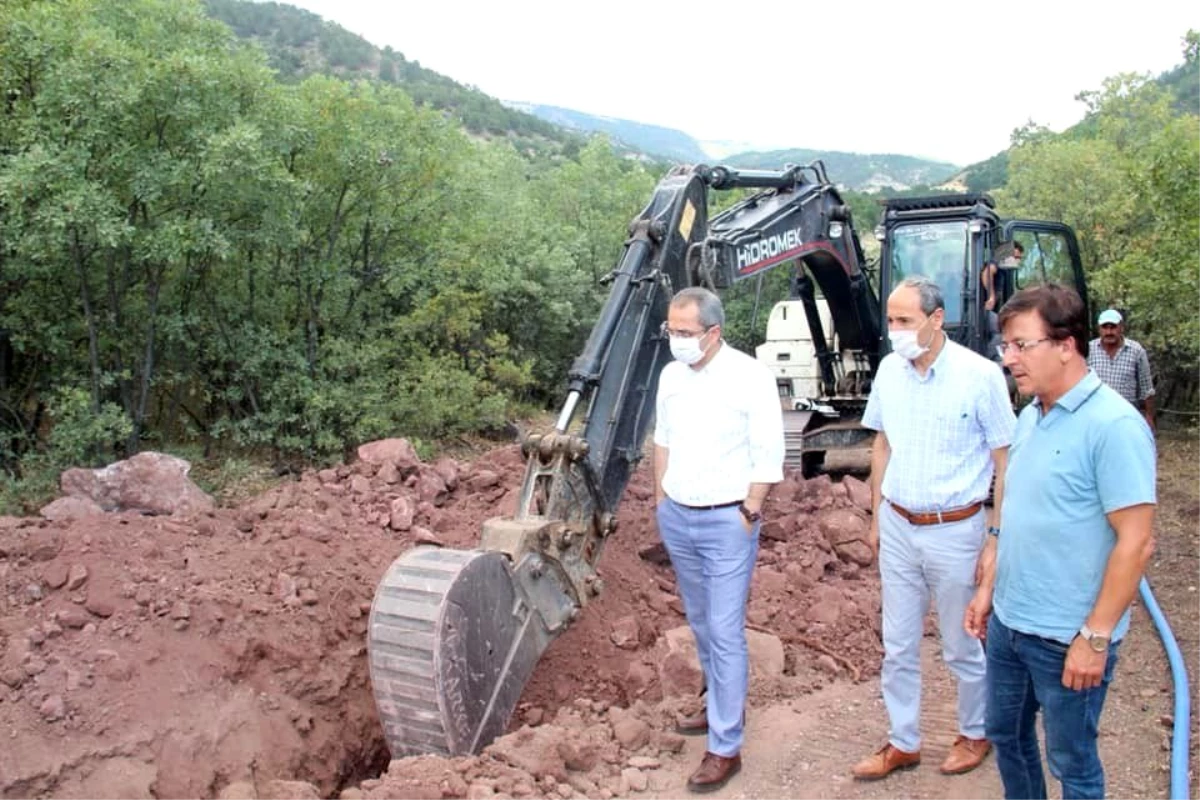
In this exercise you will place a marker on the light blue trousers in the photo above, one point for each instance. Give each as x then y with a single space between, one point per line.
714 557
915 562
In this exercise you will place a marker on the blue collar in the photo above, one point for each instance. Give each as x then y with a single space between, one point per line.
1078 394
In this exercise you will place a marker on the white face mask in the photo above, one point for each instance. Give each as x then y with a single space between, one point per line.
687 349
906 345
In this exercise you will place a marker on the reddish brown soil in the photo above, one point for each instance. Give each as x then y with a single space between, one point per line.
214 653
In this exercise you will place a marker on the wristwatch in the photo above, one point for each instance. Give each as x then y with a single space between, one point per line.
751 516
1097 641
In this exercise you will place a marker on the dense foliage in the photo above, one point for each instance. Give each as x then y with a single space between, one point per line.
1128 183
205 253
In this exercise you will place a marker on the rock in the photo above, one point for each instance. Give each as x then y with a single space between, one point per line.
70 508
55 575
635 779
577 756
360 485
425 536
53 708
624 633
644 762
101 599
839 525
484 479
534 750
12 677
825 611
655 553
150 482
238 790
779 529
397 451
308 597
826 663
402 512
681 661
631 732
180 610
288 790
858 491
667 741
769 582
431 488
856 552
388 473
285 586
77 576
448 469
638 678
72 617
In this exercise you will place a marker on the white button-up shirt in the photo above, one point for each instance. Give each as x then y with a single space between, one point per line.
941 427
723 426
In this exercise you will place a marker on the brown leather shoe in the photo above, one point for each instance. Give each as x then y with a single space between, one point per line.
965 755
884 762
714 772
693 725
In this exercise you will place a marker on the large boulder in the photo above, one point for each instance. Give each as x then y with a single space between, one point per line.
679 671
150 482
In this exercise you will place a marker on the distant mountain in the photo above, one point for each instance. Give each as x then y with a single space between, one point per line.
869 172
654 140
299 43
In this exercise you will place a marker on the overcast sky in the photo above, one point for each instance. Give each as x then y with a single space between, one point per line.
942 80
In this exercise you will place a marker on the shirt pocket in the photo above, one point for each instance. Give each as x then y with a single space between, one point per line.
954 414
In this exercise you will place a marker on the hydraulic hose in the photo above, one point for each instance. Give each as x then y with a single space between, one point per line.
1179 735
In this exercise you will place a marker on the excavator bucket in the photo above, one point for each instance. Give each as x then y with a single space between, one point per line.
451 644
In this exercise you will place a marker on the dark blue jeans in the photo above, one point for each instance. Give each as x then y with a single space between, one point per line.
1024 673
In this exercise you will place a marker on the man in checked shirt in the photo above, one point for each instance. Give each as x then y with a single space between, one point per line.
945 424
1122 364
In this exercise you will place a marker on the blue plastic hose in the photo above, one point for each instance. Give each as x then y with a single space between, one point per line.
1179 735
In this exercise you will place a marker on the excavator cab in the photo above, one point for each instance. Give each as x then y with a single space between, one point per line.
951 238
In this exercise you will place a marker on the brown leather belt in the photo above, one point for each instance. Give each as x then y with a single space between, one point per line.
938 517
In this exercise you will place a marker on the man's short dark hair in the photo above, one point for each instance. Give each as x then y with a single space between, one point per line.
1060 307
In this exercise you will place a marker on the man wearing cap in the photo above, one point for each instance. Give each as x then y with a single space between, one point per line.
1122 363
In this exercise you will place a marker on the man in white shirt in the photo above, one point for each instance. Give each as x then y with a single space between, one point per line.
945 423
718 448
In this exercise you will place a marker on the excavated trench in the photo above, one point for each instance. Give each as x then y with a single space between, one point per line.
213 651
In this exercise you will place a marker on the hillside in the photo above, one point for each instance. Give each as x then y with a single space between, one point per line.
862 172
654 140
299 43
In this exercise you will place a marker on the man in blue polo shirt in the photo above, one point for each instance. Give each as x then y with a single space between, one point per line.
1075 537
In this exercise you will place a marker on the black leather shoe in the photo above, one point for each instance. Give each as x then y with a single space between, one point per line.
714 772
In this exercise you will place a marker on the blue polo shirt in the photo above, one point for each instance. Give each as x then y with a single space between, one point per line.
1091 454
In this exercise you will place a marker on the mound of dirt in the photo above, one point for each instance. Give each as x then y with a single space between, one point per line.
222 652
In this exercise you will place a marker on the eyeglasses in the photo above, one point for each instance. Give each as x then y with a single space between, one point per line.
1019 346
684 334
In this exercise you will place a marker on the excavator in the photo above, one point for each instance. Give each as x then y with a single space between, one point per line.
454 635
